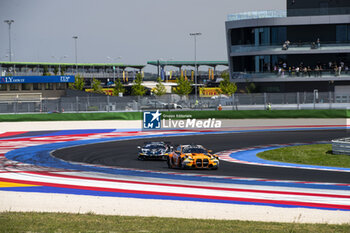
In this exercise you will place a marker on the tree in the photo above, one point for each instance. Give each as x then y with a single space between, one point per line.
250 88
227 87
118 88
137 88
96 86
160 88
183 86
45 70
63 70
78 83
55 70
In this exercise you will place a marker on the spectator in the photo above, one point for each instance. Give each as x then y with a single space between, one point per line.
305 71
309 70
313 45
268 107
284 65
318 42
335 70
330 65
286 45
317 71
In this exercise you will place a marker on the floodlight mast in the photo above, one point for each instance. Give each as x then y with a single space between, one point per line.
76 53
9 22
195 34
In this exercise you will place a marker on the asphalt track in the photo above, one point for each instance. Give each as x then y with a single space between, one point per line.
123 154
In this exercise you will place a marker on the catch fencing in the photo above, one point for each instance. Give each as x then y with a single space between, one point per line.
258 101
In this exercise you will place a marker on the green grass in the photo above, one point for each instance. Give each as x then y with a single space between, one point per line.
53 222
317 154
229 114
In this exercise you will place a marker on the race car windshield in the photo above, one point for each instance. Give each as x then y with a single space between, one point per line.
154 147
194 150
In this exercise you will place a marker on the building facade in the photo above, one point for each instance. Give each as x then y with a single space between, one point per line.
303 48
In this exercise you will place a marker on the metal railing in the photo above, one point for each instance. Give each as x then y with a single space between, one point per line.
257 101
300 47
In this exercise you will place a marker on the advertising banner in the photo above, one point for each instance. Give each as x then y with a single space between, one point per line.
37 79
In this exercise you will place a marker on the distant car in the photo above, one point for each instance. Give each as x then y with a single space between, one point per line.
192 156
154 150
156 104
215 97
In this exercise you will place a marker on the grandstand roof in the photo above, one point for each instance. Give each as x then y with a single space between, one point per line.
188 63
121 65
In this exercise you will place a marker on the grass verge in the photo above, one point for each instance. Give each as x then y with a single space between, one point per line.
229 114
54 222
317 154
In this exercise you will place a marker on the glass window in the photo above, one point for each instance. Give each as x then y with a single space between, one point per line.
37 86
278 35
14 87
48 86
26 86
341 34
3 87
178 148
262 36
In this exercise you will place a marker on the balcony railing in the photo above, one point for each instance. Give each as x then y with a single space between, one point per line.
257 15
281 73
295 47
288 13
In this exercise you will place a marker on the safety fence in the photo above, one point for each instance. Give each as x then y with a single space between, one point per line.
19 103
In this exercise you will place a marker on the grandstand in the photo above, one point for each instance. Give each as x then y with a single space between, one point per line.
304 48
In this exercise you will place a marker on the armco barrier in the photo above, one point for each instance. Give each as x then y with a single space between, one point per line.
341 146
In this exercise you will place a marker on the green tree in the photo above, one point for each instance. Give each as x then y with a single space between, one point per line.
63 70
45 70
96 86
227 87
118 88
183 86
55 70
250 88
160 88
78 83
137 88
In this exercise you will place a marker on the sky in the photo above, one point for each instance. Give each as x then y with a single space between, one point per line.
129 32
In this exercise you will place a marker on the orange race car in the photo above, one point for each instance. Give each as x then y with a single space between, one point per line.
192 156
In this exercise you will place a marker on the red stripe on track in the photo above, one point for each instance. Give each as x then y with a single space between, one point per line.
192 186
208 197
9 134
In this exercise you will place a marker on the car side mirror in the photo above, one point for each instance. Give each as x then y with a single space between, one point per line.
210 151
139 147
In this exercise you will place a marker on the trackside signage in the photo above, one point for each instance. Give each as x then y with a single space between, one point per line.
152 120
37 79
